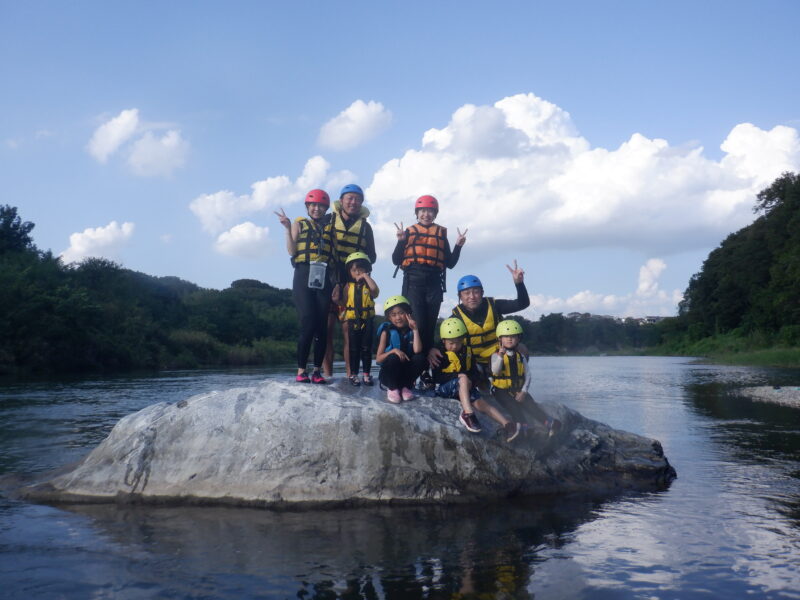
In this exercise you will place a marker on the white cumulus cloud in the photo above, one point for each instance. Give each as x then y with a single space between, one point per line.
647 299
358 123
219 210
245 240
99 242
520 171
112 134
151 155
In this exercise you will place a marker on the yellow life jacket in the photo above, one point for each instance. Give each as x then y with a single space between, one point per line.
358 305
349 239
314 243
481 337
456 358
425 246
512 375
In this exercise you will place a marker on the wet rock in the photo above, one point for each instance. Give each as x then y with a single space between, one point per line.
785 395
283 444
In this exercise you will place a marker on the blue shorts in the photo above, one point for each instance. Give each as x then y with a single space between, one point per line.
450 390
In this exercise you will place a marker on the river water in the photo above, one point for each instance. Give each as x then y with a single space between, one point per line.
728 527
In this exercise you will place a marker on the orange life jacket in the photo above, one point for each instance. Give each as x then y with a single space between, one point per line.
425 246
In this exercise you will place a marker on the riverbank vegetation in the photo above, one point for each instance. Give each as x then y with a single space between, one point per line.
743 306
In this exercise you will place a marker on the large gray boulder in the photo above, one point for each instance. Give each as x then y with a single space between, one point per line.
281 444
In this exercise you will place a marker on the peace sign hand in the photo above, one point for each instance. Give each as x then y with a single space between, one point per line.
517 274
283 219
402 234
462 237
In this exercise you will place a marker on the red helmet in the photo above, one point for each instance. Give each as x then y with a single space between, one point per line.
318 197
426 202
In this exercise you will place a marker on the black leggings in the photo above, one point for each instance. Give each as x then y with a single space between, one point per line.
396 373
312 316
423 288
360 346
519 411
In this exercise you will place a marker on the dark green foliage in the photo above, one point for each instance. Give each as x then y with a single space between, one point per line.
752 281
99 316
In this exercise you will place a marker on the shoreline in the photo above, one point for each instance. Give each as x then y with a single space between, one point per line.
783 395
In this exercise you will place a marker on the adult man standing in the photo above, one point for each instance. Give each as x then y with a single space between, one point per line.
353 234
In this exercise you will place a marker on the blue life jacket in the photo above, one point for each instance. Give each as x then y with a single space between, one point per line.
402 341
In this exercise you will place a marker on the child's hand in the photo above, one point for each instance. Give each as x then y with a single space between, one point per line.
336 294
284 219
519 396
400 354
517 274
412 324
462 237
434 357
402 234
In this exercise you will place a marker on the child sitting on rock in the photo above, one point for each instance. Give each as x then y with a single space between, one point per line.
399 350
511 377
358 300
454 376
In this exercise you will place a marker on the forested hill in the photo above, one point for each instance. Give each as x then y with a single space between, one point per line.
750 285
99 316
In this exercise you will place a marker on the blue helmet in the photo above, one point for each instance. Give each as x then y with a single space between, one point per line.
469 281
351 188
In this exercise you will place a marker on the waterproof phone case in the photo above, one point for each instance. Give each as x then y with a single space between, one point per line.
316 275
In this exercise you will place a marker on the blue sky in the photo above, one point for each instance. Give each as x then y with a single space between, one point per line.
607 146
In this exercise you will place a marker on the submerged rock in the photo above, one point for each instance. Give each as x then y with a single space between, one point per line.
283 444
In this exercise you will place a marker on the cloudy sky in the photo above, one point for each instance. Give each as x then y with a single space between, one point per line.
606 146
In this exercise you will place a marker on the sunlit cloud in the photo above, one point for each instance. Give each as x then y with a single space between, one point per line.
112 134
355 125
245 240
98 242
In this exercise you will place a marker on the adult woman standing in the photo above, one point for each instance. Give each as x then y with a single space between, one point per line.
311 243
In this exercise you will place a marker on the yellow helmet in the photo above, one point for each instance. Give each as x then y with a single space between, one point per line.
508 327
393 301
452 328
356 256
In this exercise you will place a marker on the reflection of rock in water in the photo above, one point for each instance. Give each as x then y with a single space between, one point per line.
376 552
280 444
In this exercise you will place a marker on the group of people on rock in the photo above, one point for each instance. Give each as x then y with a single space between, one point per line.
480 353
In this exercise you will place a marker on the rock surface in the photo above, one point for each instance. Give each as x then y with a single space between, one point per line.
787 396
281 444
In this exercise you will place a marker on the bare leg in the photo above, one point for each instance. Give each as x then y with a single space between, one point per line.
488 409
464 386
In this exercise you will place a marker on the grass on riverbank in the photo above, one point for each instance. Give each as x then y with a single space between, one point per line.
735 348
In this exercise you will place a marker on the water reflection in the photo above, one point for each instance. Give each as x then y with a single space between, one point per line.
384 552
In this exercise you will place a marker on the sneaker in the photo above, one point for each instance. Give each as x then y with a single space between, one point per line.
407 394
470 421
426 381
317 378
354 380
367 379
394 397
553 426
512 431
302 378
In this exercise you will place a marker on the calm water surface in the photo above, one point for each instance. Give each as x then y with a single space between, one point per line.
728 527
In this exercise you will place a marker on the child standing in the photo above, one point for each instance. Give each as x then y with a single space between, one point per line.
455 374
423 252
511 376
358 300
311 242
399 350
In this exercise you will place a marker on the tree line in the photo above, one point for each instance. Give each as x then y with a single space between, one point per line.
96 315
748 288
